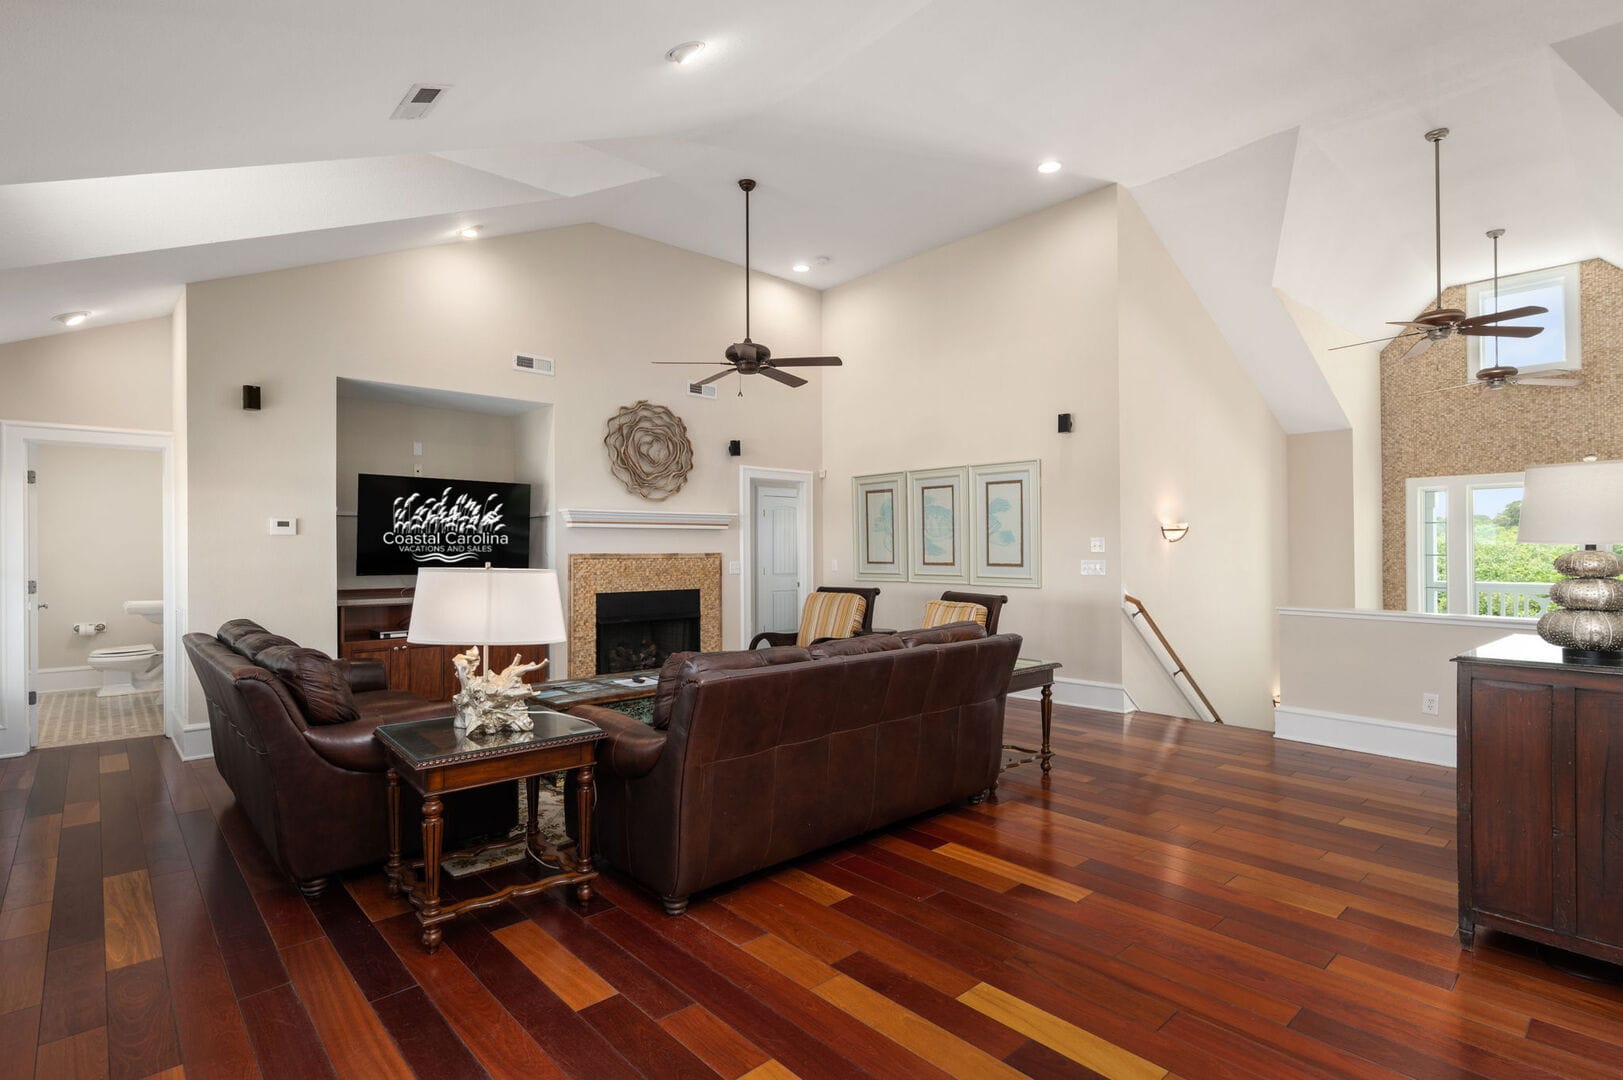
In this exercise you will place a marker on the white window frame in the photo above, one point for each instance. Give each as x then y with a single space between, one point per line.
1479 300
1461 550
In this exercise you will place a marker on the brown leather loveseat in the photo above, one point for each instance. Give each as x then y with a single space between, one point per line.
758 757
292 733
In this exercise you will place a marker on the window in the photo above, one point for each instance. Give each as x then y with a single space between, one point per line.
1559 348
1463 554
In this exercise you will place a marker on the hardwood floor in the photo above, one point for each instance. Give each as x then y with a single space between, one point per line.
1175 899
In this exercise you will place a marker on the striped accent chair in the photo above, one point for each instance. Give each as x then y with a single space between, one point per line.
942 612
831 613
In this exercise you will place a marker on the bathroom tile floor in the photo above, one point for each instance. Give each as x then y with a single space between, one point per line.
73 717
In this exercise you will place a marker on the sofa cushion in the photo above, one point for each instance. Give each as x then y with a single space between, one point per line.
856 646
941 635
315 681
830 615
943 612
254 644
237 629
683 666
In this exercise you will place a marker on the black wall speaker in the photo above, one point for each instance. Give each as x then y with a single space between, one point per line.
250 397
735 448
1065 426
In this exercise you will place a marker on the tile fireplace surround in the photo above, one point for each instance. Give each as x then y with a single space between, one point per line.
593 574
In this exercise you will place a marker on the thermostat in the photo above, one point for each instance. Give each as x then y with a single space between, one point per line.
282 526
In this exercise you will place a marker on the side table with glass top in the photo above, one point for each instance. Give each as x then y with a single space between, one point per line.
436 757
1031 674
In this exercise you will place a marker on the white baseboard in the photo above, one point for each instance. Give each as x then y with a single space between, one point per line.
57 679
195 742
1367 734
1085 694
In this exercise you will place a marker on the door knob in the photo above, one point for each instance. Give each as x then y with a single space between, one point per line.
41 607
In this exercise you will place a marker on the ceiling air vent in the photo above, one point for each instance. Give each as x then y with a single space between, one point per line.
535 365
695 390
418 101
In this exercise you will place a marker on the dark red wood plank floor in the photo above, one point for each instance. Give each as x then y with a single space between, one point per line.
1175 899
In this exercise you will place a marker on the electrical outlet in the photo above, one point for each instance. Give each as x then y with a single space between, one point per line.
1093 568
1096 544
834 566
416 449
1429 704
416 468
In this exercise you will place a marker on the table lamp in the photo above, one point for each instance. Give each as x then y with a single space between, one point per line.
1579 503
480 607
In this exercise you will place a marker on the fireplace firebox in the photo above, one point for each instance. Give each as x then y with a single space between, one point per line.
640 630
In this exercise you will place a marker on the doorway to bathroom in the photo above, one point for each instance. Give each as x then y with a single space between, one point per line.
86 550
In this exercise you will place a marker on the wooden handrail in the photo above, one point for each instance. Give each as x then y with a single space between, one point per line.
1149 620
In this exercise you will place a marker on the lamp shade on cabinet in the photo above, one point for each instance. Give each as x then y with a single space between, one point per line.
486 606
1578 503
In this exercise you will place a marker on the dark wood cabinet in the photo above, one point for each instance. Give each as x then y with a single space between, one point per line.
1541 797
420 669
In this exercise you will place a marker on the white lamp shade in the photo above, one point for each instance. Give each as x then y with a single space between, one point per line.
486 606
1580 503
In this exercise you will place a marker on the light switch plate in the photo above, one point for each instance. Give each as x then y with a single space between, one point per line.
416 449
282 526
735 567
1093 568
1096 544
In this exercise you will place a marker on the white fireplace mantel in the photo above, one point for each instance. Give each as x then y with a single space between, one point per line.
644 519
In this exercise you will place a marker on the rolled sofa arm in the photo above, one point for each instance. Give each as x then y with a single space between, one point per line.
632 748
364 676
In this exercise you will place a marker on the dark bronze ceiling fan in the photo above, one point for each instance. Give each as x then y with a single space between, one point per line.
1440 323
748 357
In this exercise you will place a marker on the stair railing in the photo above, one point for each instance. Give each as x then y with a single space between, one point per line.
1140 616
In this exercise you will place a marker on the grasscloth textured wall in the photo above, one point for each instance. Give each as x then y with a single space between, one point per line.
1484 431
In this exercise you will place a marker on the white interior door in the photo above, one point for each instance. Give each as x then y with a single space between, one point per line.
36 601
777 558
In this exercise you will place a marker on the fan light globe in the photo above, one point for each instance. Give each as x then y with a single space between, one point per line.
1049 166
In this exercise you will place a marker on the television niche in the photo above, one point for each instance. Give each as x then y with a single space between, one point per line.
404 523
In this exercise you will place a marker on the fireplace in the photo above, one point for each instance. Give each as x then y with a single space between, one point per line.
639 630
622 607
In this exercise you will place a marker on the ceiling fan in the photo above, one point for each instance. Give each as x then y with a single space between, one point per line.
1440 323
747 357
1498 376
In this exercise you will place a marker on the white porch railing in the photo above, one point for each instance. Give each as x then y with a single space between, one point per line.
1512 599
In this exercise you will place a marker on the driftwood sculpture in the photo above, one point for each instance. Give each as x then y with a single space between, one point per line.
649 450
493 701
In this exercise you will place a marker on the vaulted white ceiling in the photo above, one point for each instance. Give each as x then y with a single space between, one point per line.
153 142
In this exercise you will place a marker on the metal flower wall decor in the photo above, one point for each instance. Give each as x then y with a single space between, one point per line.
649 450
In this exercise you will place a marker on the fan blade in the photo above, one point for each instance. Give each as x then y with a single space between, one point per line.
1534 380
1501 316
782 376
691 363
712 378
806 361
1376 341
1456 386
1419 347
1501 331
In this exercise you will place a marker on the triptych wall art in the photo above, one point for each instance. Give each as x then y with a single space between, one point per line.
980 524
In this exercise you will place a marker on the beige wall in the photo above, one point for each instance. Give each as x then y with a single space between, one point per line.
1198 444
1465 432
1319 502
1377 665
601 302
1354 375
100 530
378 437
107 376
963 356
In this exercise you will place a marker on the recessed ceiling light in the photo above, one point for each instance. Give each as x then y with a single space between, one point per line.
71 318
681 54
1049 166
471 232
801 268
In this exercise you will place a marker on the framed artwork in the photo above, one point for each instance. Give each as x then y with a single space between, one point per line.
938 515
879 519
1006 529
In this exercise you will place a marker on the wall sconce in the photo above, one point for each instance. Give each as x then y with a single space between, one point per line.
735 448
1174 531
250 398
1065 424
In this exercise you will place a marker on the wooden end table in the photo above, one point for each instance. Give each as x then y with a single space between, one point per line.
436 757
1033 675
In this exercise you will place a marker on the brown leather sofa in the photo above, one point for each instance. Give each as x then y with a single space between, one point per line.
315 791
760 756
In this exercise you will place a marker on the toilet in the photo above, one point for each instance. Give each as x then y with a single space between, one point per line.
131 669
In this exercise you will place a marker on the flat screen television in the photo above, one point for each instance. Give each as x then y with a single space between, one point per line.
404 523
